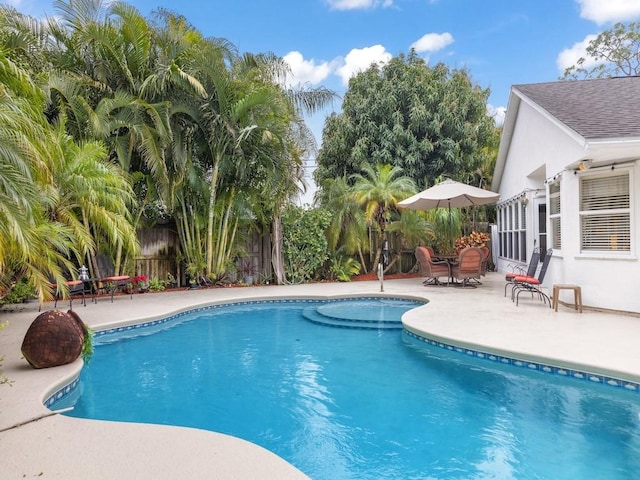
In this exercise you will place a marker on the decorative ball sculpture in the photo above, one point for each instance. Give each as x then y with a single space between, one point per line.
54 338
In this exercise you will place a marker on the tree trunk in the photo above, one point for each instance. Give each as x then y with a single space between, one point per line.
212 202
362 261
277 260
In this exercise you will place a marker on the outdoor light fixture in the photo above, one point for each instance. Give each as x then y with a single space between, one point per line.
84 273
584 165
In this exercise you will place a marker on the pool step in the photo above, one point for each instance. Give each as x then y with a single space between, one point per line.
314 315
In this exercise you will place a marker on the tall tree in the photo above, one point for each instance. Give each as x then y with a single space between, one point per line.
430 121
55 194
616 52
285 173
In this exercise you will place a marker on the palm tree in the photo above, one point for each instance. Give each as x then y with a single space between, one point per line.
207 127
36 242
378 191
412 229
92 197
298 142
24 146
348 228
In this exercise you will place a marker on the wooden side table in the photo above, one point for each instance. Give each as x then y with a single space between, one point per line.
577 295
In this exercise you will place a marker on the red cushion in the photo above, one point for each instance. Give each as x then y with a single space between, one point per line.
118 278
525 279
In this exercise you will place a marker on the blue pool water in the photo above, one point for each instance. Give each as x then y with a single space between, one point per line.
342 403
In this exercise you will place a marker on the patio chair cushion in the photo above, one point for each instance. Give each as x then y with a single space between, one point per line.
469 265
430 268
525 279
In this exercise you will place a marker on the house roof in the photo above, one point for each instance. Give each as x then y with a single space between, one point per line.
598 111
594 109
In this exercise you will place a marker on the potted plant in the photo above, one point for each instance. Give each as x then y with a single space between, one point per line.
247 271
194 270
140 282
474 239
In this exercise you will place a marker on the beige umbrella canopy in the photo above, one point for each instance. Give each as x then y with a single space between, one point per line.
447 194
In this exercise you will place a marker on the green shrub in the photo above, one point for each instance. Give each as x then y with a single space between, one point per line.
20 293
156 285
305 246
87 344
343 268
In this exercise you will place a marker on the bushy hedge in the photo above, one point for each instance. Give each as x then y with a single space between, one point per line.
305 246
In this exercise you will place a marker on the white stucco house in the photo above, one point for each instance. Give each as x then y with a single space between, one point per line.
568 174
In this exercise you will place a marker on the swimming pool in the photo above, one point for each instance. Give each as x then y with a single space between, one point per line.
353 403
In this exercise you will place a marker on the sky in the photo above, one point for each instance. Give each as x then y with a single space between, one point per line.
500 42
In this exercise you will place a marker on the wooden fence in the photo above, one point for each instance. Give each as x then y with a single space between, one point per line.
158 254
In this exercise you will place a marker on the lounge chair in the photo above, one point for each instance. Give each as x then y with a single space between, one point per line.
523 283
517 270
469 267
75 287
432 269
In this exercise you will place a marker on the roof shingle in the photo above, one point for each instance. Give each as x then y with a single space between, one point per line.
595 109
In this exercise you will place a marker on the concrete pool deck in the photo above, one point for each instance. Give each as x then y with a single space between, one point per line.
36 443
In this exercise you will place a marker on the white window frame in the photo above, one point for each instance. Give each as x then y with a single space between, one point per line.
554 214
617 210
512 230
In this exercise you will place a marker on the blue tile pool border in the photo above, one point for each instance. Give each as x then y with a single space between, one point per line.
541 367
70 387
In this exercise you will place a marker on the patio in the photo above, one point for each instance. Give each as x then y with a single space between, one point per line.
486 321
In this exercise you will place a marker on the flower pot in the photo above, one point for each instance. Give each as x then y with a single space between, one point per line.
248 279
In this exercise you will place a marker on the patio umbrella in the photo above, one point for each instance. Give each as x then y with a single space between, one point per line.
447 194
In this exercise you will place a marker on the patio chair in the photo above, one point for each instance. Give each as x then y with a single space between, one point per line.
469 267
517 270
523 283
76 287
485 261
430 268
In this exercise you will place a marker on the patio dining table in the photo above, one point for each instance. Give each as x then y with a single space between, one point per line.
451 259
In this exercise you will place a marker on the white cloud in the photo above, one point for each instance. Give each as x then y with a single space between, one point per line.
358 4
570 56
432 42
359 59
313 72
497 113
603 11
306 71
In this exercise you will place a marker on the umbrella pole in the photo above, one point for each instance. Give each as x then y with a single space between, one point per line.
451 229
384 261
